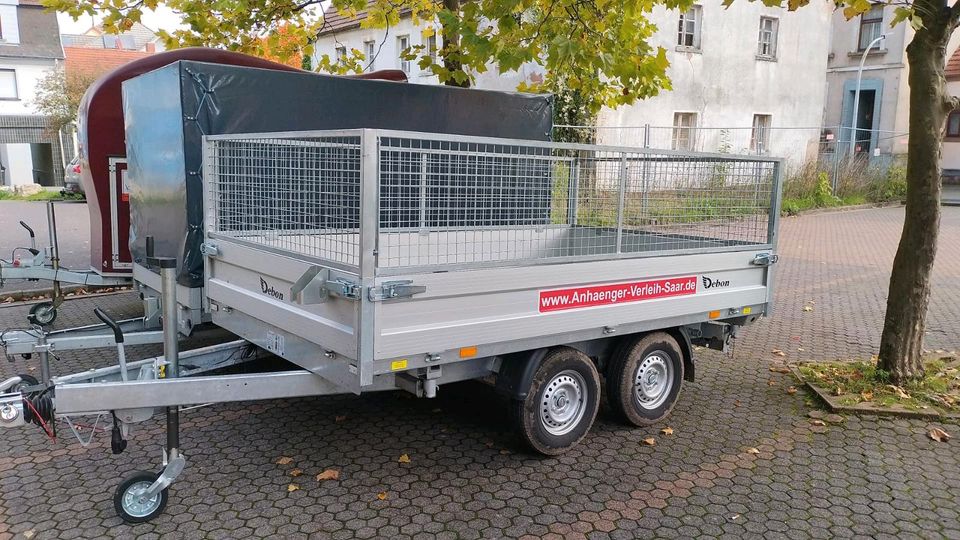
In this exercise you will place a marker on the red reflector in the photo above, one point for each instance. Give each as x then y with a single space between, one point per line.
76 168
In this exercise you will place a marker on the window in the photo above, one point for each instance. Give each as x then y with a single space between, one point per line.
767 43
8 84
871 26
403 43
341 53
688 35
370 54
432 47
760 134
953 125
684 130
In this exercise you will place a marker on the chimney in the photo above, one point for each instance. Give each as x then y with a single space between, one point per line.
151 47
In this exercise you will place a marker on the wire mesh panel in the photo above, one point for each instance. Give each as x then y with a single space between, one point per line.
297 194
450 202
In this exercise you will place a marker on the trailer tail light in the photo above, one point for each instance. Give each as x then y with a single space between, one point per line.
714 314
468 352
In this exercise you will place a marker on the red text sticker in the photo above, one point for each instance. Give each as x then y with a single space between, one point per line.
617 293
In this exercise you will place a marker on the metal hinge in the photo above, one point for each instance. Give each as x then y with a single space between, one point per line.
765 259
394 289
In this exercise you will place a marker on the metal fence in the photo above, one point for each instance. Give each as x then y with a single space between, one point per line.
445 200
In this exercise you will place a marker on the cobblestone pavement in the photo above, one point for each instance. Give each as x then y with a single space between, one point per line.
468 477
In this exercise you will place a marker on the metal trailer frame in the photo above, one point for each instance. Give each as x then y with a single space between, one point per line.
296 318
45 264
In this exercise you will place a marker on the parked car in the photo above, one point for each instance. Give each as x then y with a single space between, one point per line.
71 178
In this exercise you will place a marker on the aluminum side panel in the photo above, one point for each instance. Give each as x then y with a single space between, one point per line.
498 305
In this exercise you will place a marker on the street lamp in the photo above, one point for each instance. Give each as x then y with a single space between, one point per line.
856 95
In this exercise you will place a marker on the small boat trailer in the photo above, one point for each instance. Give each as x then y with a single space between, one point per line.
372 260
33 264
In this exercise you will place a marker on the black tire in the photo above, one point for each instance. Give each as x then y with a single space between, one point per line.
567 379
42 313
659 356
26 380
131 511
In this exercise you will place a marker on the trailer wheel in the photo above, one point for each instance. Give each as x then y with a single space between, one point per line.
43 314
127 499
25 381
562 402
644 379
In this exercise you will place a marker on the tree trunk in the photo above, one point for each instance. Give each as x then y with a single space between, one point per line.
902 341
451 46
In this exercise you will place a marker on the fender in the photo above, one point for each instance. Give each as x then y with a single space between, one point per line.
517 371
682 336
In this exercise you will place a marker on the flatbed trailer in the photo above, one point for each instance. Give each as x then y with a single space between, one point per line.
379 260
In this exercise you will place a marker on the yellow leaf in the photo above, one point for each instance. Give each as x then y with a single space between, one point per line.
295 472
650 441
818 422
382 495
792 390
753 450
284 460
667 430
866 395
404 459
292 487
939 435
329 474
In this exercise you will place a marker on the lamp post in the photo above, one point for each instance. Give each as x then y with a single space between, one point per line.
856 95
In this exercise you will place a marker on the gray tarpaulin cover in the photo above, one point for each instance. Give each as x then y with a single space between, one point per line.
169 110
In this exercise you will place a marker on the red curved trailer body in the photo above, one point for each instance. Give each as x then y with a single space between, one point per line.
103 148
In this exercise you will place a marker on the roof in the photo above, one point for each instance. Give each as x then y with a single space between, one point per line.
952 71
39 33
132 40
96 61
334 21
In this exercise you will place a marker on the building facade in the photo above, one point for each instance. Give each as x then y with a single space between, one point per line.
740 76
29 48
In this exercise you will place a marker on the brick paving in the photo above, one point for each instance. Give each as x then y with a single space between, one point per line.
468 477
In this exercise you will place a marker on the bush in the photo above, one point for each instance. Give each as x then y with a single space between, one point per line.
894 186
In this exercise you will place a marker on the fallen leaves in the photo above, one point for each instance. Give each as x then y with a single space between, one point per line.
778 352
284 460
329 474
753 450
808 308
404 459
939 435
771 382
866 395
818 422
339 419
295 472
901 393
650 441
792 390
382 495
292 487
667 430
779 369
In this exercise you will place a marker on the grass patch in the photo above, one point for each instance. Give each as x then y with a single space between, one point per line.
45 195
855 383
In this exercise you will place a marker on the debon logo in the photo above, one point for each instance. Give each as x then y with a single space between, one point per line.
711 283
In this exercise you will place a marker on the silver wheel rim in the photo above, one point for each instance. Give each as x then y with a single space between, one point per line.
44 314
563 403
134 504
654 380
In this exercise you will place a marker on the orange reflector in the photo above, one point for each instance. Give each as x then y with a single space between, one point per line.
714 314
468 352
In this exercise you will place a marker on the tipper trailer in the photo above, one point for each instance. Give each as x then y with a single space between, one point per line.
381 260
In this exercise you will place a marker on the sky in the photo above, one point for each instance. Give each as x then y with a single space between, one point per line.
162 19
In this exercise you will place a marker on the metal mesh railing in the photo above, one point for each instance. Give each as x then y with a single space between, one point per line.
449 202
445 201
295 194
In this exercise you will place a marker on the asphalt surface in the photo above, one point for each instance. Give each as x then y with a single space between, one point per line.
73 230
744 460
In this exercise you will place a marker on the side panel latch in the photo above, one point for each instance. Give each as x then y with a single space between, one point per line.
394 289
765 259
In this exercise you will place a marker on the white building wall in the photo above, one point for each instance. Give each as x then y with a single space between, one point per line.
29 72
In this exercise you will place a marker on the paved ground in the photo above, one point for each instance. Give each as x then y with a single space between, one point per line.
73 228
468 478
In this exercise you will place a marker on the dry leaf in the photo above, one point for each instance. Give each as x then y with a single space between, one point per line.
329 474
736 403
292 487
339 419
295 472
837 391
899 391
771 382
778 352
284 460
650 441
818 422
505 452
792 390
939 435
404 459
800 349
667 430
382 495
780 369
29 534
808 308
753 450
866 395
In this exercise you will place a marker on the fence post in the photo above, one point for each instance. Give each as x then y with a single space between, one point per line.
621 199
644 172
573 191
423 194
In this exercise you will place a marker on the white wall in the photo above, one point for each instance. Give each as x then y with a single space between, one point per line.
29 72
18 162
726 84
